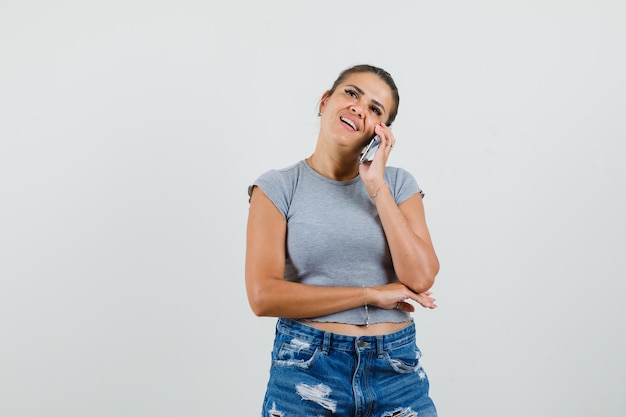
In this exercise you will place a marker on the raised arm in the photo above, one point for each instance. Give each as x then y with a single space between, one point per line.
414 258
412 252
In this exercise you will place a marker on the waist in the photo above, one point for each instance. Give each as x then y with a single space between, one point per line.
318 337
374 329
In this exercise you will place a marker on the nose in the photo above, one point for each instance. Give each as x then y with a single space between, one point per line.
356 109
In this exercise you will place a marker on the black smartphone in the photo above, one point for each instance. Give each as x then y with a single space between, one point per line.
369 150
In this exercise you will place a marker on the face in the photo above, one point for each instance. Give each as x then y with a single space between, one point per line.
357 105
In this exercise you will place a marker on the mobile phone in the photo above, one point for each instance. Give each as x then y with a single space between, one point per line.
369 150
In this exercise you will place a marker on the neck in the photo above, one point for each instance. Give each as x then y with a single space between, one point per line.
335 170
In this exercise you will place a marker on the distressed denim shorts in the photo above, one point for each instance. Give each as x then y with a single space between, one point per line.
316 373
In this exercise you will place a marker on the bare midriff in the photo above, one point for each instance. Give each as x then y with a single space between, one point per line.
375 329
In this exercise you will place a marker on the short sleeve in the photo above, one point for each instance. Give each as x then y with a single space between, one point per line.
403 184
276 187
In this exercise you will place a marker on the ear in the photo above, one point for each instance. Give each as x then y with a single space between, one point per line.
323 102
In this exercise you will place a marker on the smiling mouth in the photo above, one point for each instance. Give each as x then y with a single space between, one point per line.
349 123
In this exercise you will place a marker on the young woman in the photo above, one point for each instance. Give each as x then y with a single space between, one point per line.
336 249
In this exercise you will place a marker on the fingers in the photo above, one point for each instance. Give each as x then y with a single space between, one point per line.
425 301
398 296
387 140
375 170
404 306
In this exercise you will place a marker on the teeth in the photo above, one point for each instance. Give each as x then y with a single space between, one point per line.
348 121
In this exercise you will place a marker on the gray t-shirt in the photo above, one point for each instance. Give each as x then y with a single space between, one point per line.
334 234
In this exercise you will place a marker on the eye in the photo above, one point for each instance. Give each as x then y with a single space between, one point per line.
351 93
376 110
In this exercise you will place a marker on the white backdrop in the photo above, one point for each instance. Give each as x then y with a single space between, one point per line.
130 130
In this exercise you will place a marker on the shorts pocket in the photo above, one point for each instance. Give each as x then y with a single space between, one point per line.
404 359
294 352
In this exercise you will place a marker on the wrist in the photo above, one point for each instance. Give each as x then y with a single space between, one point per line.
377 190
369 294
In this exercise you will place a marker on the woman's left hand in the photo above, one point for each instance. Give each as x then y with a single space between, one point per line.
372 172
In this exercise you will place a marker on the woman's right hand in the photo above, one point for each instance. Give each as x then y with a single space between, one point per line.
397 295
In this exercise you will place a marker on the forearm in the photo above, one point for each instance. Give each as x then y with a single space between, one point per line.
279 298
414 258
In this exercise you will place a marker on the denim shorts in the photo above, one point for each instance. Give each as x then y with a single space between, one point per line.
316 373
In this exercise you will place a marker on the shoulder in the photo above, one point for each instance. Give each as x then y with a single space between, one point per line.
280 177
284 173
402 183
397 173
279 184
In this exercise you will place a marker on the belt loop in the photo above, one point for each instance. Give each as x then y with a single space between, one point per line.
326 343
380 348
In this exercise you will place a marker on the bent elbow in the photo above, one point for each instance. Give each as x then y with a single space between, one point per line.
423 280
429 275
259 304
259 309
433 271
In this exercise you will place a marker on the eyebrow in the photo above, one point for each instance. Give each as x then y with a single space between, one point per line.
361 92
